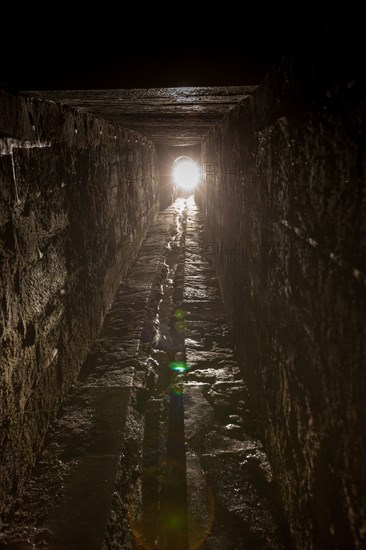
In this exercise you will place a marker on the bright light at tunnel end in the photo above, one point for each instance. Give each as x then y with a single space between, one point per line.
186 173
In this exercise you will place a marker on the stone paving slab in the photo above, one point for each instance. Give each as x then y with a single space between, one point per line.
224 458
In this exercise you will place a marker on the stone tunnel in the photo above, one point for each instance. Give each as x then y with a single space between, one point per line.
184 370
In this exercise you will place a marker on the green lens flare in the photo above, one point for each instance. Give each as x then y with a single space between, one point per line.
177 389
175 521
180 326
179 314
178 366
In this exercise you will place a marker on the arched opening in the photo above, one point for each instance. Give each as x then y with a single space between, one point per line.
186 175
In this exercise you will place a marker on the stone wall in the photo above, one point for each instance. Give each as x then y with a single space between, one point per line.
284 200
76 198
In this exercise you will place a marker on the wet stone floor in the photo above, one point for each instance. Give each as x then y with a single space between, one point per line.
155 447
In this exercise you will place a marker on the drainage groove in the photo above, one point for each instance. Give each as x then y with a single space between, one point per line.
162 522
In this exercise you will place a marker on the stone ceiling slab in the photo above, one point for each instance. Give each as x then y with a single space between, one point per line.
167 116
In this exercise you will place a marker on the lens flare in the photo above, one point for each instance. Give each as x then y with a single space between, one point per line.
177 389
186 173
179 314
178 366
180 326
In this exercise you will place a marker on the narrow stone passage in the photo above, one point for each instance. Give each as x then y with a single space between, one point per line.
156 445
